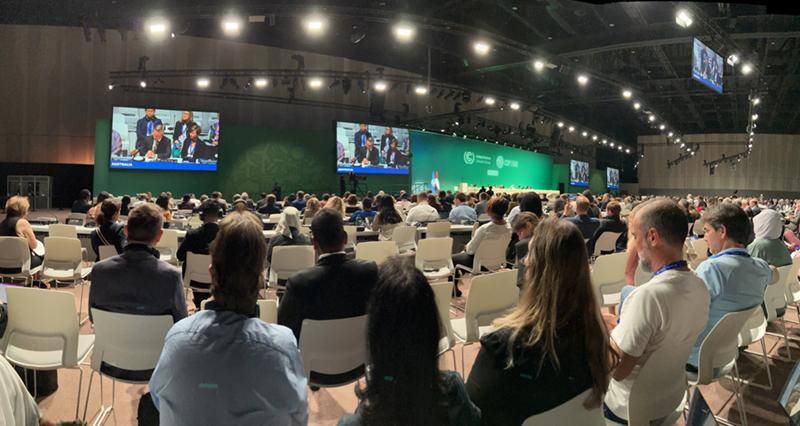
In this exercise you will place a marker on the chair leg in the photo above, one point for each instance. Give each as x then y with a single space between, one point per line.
766 366
89 393
78 396
740 394
786 339
80 306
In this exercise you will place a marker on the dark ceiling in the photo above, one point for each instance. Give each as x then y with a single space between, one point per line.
634 45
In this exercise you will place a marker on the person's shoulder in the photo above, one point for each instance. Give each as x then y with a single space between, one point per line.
363 265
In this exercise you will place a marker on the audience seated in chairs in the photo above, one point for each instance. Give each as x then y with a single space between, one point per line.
16 225
481 207
287 232
198 240
523 226
269 207
661 314
335 203
611 223
332 289
422 212
404 385
109 231
461 211
586 223
223 365
137 281
495 229
735 280
364 213
186 203
387 218
312 207
554 345
83 203
768 244
92 212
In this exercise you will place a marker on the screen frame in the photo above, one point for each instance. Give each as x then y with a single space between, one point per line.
335 126
608 184
111 132
697 77
569 174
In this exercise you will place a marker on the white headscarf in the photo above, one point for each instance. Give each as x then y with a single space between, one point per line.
768 225
290 218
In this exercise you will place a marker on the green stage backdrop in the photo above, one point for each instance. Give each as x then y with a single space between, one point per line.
251 159
476 163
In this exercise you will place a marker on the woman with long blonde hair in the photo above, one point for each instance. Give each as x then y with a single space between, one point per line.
553 345
335 203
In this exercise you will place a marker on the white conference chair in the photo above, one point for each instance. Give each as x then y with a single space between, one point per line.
63 262
571 412
697 228
442 292
129 342
78 219
334 347
168 246
437 229
606 243
106 251
793 286
491 254
288 260
351 237
274 218
608 277
753 331
719 352
434 258
61 230
34 344
700 249
405 237
376 251
194 222
775 302
197 272
490 297
15 254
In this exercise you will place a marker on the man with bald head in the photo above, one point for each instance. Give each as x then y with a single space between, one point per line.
666 313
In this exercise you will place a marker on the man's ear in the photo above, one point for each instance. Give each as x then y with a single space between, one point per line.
158 236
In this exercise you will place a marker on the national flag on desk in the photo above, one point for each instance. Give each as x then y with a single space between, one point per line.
435 181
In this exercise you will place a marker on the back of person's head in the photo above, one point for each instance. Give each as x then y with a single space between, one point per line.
387 211
613 208
664 217
530 202
483 196
352 199
461 197
403 383
85 195
126 199
588 194
312 206
328 230
270 199
163 202
17 206
524 220
422 197
263 195
300 194
187 198
557 297
291 198
102 196
335 203
210 211
768 225
432 200
216 195
326 197
582 205
442 194
108 209
732 218
497 207
366 204
144 224
237 261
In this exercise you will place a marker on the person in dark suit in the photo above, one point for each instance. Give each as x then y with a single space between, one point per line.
332 289
611 223
386 140
582 220
155 145
194 148
368 155
394 157
199 240
360 137
523 225
181 133
270 207
144 128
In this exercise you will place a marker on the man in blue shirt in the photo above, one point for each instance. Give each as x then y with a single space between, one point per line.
300 202
734 280
586 224
145 126
366 212
462 211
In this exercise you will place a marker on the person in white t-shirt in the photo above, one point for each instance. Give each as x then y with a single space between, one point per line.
17 406
666 313
422 212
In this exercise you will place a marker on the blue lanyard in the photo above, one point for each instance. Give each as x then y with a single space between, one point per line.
738 252
670 266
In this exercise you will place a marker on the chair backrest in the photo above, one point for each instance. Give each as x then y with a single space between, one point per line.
434 253
792 285
27 330
286 260
437 230
608 273
194 222
443 292
571 412
274 218
130 342
168 241
14 253
333 346
404 236
76 219
351 235
268 310
376 251
491 253
62 253
700 248
305 230
753 329
197 270
656 393
697 229
61 230
606 242
719 348
107 251
775 294
490 296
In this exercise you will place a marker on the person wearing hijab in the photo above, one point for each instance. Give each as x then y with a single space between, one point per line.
768 244
287 232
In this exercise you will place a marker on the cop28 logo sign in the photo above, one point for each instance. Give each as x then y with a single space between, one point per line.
499 162
469 158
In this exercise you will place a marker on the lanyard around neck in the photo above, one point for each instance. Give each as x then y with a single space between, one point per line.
729 252
670 266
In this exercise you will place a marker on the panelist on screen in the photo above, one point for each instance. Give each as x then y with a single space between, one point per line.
367 155
194 149
155 145
386 140
144 128
361 136
394 157
181 133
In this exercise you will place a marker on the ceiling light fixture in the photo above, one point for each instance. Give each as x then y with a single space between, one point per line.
315 25
514 106
315 83
582 79
683 18
421 90
203 82
627 94
481 47
404 32
231 26
261 83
